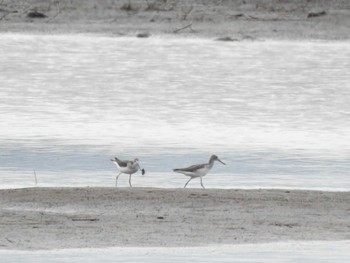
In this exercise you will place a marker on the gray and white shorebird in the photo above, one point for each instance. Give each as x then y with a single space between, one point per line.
198 170
127 167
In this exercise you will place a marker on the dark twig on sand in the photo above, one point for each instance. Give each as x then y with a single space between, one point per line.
182 28
9 240
186 12
85 219
59 10
310 15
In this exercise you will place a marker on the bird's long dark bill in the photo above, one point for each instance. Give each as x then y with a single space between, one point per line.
221 162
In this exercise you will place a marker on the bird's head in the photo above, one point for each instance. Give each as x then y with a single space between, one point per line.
215 158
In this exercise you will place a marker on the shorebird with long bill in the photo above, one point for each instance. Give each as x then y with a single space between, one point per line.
198 170
127 167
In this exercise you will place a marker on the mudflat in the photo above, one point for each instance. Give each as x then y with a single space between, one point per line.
47 218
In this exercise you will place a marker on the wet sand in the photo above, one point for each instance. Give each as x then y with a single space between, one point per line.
48 218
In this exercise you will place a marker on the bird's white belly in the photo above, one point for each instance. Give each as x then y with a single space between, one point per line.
198 173
127 170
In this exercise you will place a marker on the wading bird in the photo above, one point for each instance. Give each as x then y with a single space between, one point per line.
198 170
127 167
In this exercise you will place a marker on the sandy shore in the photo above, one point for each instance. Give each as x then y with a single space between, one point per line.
46 218
230 20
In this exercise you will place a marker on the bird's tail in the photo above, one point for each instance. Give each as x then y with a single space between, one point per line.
176 170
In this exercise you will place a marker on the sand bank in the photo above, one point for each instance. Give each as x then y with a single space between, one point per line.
230 20
47 218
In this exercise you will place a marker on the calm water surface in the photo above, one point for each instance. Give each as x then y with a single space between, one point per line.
277 113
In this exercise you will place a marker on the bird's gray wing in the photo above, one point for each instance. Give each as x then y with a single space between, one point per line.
191 168
121 163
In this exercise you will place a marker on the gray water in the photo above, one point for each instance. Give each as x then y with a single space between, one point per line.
277 113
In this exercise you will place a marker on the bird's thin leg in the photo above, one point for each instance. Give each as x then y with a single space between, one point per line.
187 182
116 179
130 180
202 183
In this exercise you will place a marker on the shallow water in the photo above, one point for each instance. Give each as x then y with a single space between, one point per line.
276 112
298 252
